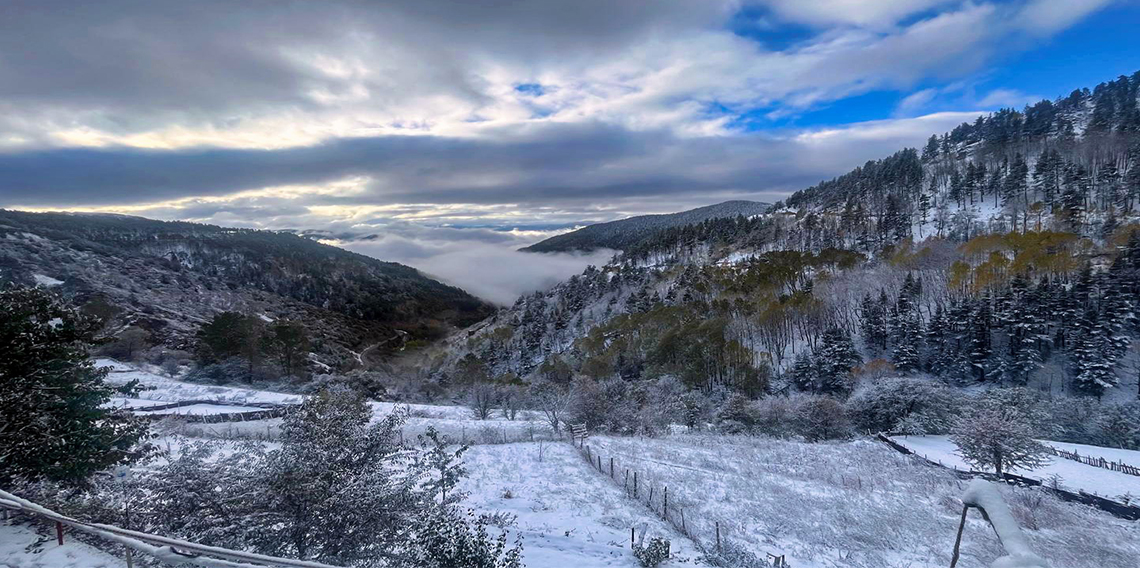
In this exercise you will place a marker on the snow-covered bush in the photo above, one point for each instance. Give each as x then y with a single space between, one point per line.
820 417
773 416
449 541
736 416
340 489
1118 425
880 406
652 554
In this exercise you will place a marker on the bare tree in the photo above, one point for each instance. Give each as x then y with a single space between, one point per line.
553 401
482 399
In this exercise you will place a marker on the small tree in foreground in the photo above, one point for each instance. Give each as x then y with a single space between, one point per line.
998 438
53 420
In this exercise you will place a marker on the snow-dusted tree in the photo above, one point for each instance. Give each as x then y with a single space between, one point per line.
804 373
998 438
1093 359
836 357
883 405
445 463
340 489
53 420
872 322
553 400
820 417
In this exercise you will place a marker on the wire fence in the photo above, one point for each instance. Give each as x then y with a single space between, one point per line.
670 506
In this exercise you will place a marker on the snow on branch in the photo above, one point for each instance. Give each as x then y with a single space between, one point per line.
985 496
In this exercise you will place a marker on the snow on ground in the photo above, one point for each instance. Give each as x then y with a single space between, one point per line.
457 422
19 549
46 281
858 504
568 514
1072 474
200 409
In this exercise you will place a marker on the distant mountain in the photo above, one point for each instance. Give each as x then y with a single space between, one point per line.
1005 252
623 233
168 277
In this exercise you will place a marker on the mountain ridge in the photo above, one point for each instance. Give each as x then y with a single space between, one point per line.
170 276
622 233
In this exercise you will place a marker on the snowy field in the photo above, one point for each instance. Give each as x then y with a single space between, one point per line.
857 504
456 422
1070 474
568 514
21 547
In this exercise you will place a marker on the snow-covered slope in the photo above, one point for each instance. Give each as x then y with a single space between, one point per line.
1069 474
853 505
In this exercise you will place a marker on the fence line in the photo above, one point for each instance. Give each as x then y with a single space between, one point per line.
171 551
1114 508
1097 462
672 511
248 416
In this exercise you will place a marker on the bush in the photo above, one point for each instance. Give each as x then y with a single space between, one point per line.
448 541
821 418
881 406
656 552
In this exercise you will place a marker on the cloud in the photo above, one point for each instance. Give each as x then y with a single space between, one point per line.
264 74
1044 17
495 272
536 167
915 101
1007 98
877 14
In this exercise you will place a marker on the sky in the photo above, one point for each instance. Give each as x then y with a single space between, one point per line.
446 134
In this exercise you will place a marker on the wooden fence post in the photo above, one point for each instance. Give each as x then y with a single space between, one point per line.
635 484
59 532
718 535
666 502
612 468
631 537
958 540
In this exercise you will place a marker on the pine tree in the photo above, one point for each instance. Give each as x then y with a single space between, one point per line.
873 323
1092 355
54 420
804 373
836 357
906 331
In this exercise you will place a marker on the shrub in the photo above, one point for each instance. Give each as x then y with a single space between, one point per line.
821 418
653 554
882 405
